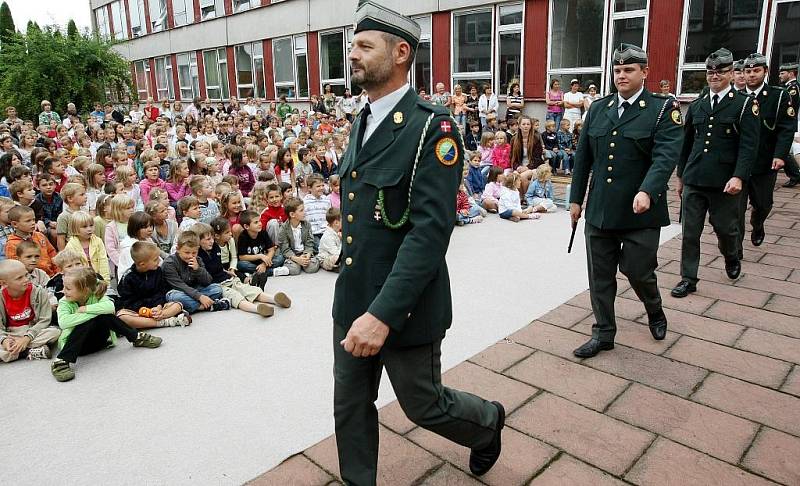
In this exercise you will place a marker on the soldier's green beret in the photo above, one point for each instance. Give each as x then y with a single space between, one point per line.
755 60
788 67
738 65
371 16
719 59
629 54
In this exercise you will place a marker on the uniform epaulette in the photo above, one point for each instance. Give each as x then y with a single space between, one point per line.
661 95
428 106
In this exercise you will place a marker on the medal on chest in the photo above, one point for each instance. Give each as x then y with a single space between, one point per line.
377 214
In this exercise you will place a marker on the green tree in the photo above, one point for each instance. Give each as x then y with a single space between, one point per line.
72 30
32 27
61 69
7 28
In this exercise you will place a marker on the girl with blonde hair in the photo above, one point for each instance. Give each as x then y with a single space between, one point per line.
87 244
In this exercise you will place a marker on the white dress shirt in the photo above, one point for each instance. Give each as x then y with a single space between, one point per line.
630 100
722 94
754 92
381 108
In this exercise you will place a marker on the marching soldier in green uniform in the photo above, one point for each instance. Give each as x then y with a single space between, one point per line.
392 303
778 123
739 84
788 76
630 143
719 148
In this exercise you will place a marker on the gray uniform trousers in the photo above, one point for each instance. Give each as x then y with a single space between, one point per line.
759 191
634 252
723 214
415 373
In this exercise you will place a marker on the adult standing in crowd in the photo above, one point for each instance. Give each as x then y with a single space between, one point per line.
13 121
347 105
487 104
788 77
458 103
329 100
714 164
441 97
573 103
317 106
514 101
590 97
392 303
630 144
555 102
778 125
151 111
48 115
472 105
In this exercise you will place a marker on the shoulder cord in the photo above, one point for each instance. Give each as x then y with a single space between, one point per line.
661 113
777 114
381 203
741 115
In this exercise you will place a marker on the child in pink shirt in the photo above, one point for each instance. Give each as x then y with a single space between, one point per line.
501 153
178 186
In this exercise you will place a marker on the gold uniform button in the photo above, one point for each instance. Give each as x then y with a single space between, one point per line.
705 150
351 196
608 180
354 174
349 218
610 157
349 240
612 145
711 126
348 261
708 142
711 118
708 134
614 133
610 168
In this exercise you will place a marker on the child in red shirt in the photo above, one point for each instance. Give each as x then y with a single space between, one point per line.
274 214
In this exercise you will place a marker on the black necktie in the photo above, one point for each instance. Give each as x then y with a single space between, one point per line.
362 127
714 101
625 105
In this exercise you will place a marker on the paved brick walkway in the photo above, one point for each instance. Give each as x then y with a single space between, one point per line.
716 402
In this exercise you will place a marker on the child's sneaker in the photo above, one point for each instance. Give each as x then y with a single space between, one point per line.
179 320
61 370
476 219
265 310
283 300
144 340
484 212
280 271
220 305
42 352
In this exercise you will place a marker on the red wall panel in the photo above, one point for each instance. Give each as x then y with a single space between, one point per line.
196 10
228 7
153 90
231 71
269 76
170 16
441 39
127 17
176 87
534 76
147 26
313 62
663 42
201 73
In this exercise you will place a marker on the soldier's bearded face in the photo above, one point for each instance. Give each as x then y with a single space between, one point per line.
371 60
755 76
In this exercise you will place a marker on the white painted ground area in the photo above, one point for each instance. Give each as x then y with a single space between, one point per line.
234 394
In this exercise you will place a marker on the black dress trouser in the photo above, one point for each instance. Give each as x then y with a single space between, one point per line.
93 335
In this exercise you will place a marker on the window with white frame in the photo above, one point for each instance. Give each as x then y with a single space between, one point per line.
182 12
250 70
628 25
136 15
101 16
421 72
785 46
332 61
158 15
164 88
709 24
188 80
472 48
215 65
242 5
576 41
509 46
301 65
283 65
142 70
119 24
210 9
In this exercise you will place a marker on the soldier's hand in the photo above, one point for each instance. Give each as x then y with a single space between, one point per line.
777 164
575 212
365 337
679 187
641 202
734 186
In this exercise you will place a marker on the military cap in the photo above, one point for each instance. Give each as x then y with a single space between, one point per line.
738 65
371 16
719 59
755 60
629 54
788 67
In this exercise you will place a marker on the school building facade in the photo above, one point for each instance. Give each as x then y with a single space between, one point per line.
180 49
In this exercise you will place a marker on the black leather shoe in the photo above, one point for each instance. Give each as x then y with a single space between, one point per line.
480 461
591 348
791 183
683 289
733 268
757 237
658 325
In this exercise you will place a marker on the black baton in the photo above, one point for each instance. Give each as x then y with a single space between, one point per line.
572 236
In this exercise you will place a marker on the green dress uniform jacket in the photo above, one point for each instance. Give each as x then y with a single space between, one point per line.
636 152
721 143
778 124
793 89
400 275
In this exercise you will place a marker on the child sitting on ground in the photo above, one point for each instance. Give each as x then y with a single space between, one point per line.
295 241
25 315
466 212
191 283
201 189
88 324
334 196
24 224
248 298
475 181
87 244
143 292
52 204
274 215
257 251
509 205
74 198
316 206
22 192
330 245
501 153
140 228
65 260
540 192
494 187
29 253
